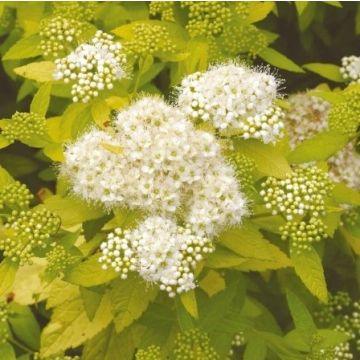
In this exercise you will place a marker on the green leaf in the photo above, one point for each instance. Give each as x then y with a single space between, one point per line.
188 299
223 258
268 159
70 327
300 6
8 270
5 178
212 283
25 48
42 71
328 71
330 338
72 210
302 318
345 195
24 326
91 299
275 58
90 273
333 3
259 10
41 100
18 165
100 112
129 299
255 349
320 147
108 344
352 239
7 352
248 242
309 268
4 142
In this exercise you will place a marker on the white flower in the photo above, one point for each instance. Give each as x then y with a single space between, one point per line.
350 68
158 162
92 67
306 117
345 166
159 250
234 96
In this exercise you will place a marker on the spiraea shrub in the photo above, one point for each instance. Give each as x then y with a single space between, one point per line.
179 180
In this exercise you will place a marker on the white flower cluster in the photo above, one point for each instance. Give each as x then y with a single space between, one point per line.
92 66
161 252
306 117
350 68
236 97
158 162
345 166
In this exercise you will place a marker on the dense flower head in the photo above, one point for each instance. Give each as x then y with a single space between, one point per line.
156 161
350 68
345 166
159 250
233 96
343 314
306 117
26 231
242 38
23 126
194 344
78 10
148 39
344 116
58 259
15 196
244 168
60 35
164 8
152 352
206 17
302 192
92 67
303 233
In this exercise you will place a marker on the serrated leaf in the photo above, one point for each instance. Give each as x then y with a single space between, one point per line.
188 299
41 100
345 195
70 327
42 71
24 48
249 243
90 273
320 147
129 299
91 300
72 210
275 58
223 258
328 71
212 283
108 344
309 268
8 270
268 159
301 316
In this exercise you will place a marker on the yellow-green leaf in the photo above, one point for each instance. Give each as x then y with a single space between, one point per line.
188 299
275 58
259 10
328 71
41 100
7 275
25 48
212 283
42 71
309 268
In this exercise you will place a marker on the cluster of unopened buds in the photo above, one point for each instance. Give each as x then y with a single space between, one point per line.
92 67
26 231
15 196
159 250
194 344
350 68
23 126
238 341
152 352
59 35
4 314
236 98
58 259
164 8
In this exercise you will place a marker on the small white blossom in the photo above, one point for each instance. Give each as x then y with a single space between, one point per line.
306 117
232 97
159 250
92 67
345 166
350 68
